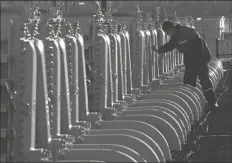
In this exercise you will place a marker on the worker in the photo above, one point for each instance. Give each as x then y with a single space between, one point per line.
196 57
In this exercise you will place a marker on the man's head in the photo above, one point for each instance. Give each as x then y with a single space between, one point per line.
168 28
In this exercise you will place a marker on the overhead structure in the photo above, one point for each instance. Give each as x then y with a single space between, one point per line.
127 105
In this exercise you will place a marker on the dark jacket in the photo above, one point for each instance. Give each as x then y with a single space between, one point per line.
187 41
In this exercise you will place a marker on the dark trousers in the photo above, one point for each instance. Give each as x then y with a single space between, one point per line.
202 72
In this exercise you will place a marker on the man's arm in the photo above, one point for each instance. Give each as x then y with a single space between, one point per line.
169 46
206 48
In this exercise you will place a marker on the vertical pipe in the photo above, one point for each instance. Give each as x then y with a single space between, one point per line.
230 18
104 6
217 48
9 110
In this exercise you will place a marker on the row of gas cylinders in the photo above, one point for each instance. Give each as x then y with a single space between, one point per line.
131 119
173 105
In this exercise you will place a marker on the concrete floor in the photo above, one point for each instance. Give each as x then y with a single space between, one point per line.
216 146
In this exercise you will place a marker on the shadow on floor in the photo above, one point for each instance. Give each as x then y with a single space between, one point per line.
216 146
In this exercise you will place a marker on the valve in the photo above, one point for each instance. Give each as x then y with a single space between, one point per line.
145 89
111 28
98 17
138 15
69 29
79 130
123 103
26 33
119 107
94 119
108 15
137 92
129 99
66 140
109 113
56 147
124 26
39 155
105 28
165 15
157 16
46 155
76 27
51 33
164 76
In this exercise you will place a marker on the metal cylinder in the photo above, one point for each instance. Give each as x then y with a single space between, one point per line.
188 100
215 71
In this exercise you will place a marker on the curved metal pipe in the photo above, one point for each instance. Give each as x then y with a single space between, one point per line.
215 71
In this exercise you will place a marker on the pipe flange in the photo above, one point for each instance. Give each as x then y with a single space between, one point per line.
137 92
94 119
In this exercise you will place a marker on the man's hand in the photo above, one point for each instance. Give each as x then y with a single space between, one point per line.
154 49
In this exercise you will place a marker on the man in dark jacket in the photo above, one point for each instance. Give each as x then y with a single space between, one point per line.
196 56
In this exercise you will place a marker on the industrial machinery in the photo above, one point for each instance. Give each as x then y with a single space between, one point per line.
133 109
